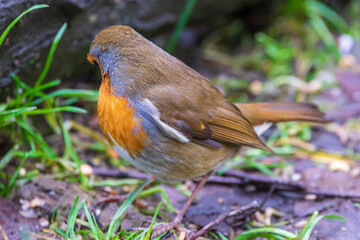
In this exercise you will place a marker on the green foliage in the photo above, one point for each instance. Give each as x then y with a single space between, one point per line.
180 25
19 116
3 35
281 234
110 234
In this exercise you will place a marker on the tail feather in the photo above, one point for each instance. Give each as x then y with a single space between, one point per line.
259 113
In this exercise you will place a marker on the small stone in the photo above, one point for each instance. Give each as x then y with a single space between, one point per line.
25 204
30 213
347 61
86 169
250 188
339 166
37 202
22 171
63 226
97 212
310 196
355 172
92 18
256 87
182 235
43 222
300 224
220 200
296 177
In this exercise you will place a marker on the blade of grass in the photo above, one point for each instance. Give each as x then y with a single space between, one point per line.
327 13
18 82
95 231
47 150
164 197
3 35
7 157
252 233
49 59
148 234
122 209
72 217
117 182
180 25
17 100
311 223
13 178
91 94
222 236
56 109
324 34
69 148
18 111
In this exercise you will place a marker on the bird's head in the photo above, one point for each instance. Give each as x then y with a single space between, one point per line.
111 44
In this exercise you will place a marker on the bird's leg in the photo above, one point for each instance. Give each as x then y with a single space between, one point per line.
175 223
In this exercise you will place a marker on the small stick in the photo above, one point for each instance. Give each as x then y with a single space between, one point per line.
252 206
271 191
264 179
237 177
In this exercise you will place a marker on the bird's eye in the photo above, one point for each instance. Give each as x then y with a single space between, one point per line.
93 60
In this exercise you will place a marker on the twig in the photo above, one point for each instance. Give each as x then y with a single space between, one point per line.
287 185
238 177
250 177
272 189
252 206
3 234
119 174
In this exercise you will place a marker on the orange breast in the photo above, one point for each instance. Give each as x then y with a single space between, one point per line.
116 116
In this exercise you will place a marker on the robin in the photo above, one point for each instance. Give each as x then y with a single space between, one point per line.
168 120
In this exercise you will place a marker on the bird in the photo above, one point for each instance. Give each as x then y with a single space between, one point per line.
168 120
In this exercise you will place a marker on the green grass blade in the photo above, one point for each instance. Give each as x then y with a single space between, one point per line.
91 94
329 14
49 58
18 82
72 217
148 234
180 25
34 91
311 223
163 194
7 157
117 182
56 109
122 209
93 227
69 148
253 233
3 35
222 236
18 111
323 32
13 178
47 150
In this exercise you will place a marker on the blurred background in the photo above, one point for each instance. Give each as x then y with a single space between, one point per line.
252 50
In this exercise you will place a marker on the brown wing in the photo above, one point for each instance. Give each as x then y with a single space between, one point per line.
210 120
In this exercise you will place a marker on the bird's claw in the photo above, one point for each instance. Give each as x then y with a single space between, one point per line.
163 228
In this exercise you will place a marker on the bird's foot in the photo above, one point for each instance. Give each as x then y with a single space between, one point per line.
165 227
170 226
